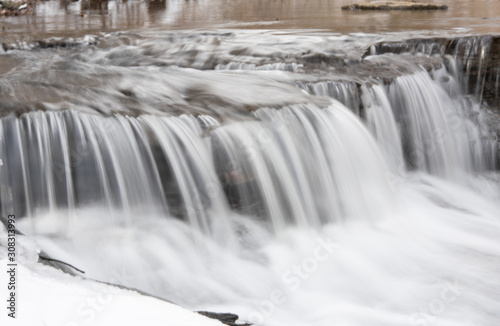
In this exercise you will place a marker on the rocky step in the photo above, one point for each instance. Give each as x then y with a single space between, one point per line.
394 5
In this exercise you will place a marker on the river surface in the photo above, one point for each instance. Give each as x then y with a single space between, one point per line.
66 18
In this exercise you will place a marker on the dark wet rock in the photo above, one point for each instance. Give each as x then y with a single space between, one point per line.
394 5
321 58
43 257
225 318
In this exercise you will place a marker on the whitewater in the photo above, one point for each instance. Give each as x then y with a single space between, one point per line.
327 186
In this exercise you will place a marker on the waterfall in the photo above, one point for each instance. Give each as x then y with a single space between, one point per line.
422 121
382 124
345 92
474 61
157 165
299 165
443 141
275 185
306 164
65 160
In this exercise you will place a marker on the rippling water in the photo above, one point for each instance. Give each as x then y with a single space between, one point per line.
64 18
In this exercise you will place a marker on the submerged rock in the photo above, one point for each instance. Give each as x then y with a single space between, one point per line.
394 5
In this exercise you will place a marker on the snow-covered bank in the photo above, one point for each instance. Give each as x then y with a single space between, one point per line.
47 296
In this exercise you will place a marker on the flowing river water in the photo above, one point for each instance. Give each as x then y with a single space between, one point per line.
67 18
294 177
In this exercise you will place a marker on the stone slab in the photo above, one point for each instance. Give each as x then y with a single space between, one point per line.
394 5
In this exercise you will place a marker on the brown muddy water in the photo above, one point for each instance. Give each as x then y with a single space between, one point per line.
65 18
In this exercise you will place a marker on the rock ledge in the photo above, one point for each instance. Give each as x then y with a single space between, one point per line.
394 5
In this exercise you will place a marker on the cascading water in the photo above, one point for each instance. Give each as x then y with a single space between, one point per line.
264 198
345 92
